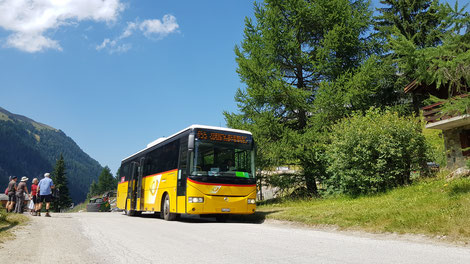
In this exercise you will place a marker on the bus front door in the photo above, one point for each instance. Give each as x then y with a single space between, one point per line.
139 194
132 189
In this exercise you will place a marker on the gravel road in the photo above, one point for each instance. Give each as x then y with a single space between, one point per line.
116 238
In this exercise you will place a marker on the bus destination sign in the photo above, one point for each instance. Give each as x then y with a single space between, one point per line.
222 137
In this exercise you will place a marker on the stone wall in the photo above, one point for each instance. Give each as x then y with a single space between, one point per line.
455 159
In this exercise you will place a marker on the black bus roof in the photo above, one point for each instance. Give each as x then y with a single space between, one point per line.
163 140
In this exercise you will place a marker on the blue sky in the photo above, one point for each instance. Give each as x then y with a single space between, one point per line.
115 75
112 103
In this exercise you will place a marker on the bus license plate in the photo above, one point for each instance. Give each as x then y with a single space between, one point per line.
225 209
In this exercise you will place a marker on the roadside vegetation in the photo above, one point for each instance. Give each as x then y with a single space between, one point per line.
79 207
435 207
106 182
324 93
8 221
324 90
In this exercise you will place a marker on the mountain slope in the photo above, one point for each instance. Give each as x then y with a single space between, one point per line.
29 148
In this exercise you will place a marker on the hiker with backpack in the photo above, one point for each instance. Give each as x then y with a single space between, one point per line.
11 192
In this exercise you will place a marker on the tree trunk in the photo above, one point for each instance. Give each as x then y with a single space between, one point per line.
311 184
416 104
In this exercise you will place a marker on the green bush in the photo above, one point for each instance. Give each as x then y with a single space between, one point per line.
435 141
372 152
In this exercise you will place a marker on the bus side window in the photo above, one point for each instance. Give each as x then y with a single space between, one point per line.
147 165
169 159
153 162
162 159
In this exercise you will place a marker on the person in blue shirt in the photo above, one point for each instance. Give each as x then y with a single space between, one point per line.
45 187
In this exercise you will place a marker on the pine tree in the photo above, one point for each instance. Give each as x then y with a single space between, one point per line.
93 190
414 28
291 48
446 65
59 176
106 181
420 20
117 178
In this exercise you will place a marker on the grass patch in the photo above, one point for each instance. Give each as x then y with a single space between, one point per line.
79 207
432 207
8 222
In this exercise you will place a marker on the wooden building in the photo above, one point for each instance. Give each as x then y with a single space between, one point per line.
455 127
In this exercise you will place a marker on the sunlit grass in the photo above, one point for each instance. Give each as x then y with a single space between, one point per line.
79 207
8 222
433 207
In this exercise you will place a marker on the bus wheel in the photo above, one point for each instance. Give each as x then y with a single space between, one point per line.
166 210
129 212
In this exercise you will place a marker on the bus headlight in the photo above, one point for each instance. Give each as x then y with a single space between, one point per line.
251 201
195 200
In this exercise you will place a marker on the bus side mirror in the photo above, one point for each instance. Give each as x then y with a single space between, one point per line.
191 142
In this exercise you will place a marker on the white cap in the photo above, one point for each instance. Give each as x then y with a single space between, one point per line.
47 174
24 178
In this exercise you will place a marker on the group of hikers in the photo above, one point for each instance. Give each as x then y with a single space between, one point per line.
41 192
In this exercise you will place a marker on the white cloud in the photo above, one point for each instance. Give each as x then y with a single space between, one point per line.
120 48
113 46
150 28
29 20
104 44
31 42
131 26
159 28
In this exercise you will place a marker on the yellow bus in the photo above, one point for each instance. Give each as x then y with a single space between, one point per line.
204 170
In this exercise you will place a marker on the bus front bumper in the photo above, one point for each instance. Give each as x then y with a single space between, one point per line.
222 205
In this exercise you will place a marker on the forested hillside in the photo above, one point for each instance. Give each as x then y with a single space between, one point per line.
29 148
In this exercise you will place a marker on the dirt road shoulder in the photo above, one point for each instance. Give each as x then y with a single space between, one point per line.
57 239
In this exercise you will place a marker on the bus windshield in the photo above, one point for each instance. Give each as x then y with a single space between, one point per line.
223 159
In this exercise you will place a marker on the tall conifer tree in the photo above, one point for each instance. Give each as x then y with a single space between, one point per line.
59 176
445 65
413 26
93 190
106 181
422 21
291 48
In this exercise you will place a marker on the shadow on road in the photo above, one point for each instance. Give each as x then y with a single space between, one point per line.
256 218
8 227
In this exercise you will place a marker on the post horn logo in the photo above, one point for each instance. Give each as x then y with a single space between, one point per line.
153 189
215 189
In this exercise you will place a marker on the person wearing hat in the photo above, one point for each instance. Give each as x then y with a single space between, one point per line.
45 187
20 193
11 194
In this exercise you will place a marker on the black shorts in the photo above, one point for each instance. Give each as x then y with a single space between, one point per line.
35 199
45 198
12 197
